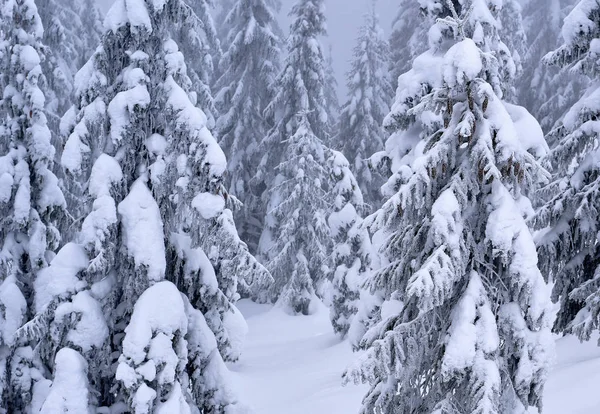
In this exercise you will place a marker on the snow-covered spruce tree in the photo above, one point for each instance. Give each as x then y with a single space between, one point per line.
408 39
546 90
361 132
470 330
570 220
352 252
291 174
198 40
71 33
250 65
299 235
153 204
31 203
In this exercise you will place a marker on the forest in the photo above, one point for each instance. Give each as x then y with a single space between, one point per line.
190 212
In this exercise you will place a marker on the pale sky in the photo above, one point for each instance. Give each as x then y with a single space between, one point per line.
344 19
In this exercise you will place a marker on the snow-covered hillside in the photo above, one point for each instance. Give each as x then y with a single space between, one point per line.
293 365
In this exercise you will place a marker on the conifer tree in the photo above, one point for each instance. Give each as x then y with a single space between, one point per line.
198 40
546 90
361 131
569 221
471 329
249 65
352 252
291 172
71 33
408 39
149 176
31 203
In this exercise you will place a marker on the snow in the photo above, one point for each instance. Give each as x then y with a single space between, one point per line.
105 172
208 205
122 12
68 393
294 365
143 230
60 278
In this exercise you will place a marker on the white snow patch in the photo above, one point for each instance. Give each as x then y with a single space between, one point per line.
143 230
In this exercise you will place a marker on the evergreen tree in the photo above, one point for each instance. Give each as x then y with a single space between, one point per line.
569 220
361 131
352 252
250 64
297 219
408 39
149 177
31 202
198 40
71 33
291 175
545 90
470 331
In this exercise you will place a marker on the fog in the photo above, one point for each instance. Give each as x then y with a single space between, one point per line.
344 19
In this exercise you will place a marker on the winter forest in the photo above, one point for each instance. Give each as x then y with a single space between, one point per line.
194 219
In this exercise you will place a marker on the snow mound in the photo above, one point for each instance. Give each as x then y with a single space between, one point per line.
143 230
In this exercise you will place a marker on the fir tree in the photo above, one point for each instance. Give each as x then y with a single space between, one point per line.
250 64
352 252
569 220
197 37
31 202
471 329
297 219
408 39
149 176
545 90
291 176
370 94
71 33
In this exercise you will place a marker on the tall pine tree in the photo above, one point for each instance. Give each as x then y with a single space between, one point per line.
291 173
470 330
250 64
546 90
32 205
361 132
153 207
570 220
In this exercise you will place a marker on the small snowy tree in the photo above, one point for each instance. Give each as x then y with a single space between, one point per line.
250 64
470 327
297 220
570 220
352 252
195 33
361 132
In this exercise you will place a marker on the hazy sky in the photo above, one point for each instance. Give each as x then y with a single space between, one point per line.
344 20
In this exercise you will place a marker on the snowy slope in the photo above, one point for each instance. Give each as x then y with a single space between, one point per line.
293 365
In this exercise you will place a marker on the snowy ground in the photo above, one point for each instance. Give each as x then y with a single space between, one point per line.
293 365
